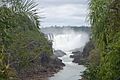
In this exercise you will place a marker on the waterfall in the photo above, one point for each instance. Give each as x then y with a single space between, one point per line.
50 36
70 41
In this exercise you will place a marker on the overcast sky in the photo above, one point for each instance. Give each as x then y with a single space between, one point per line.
63 12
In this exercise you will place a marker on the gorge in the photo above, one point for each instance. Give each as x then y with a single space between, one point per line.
68 40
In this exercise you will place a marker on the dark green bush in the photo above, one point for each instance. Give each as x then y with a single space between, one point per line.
105 22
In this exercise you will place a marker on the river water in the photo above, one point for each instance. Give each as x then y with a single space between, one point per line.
71 71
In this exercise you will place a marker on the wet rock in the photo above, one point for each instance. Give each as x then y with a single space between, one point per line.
77 57
81 57
88 47
56 61
76 54
59 53
53 57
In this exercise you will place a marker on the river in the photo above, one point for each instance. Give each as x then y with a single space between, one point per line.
71 71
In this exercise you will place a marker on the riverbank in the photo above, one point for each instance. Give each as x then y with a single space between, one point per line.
83 57
41 72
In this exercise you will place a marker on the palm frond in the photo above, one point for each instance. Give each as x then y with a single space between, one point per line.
24 8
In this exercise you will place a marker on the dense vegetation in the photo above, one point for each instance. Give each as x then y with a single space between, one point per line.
21 41
105 22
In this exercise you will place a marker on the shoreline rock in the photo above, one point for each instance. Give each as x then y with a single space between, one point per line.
59 53
81 57
78 58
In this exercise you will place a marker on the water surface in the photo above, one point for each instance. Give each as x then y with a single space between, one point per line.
71 71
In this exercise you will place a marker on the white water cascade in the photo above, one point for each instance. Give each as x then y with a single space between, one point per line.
70 41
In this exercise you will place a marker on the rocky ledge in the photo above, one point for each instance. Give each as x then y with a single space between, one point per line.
59 53
78 57
81 57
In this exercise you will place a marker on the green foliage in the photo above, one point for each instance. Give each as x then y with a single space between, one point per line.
5 24
94 57
27 46
91 73
20 38
93 65
105 21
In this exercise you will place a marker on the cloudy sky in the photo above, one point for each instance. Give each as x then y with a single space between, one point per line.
63 12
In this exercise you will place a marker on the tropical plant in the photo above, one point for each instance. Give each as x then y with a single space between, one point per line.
14 14
105 22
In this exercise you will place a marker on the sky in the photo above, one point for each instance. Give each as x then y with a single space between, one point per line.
63 12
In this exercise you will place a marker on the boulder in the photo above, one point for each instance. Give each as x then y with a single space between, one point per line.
56 61
76 54
81 57
59 53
